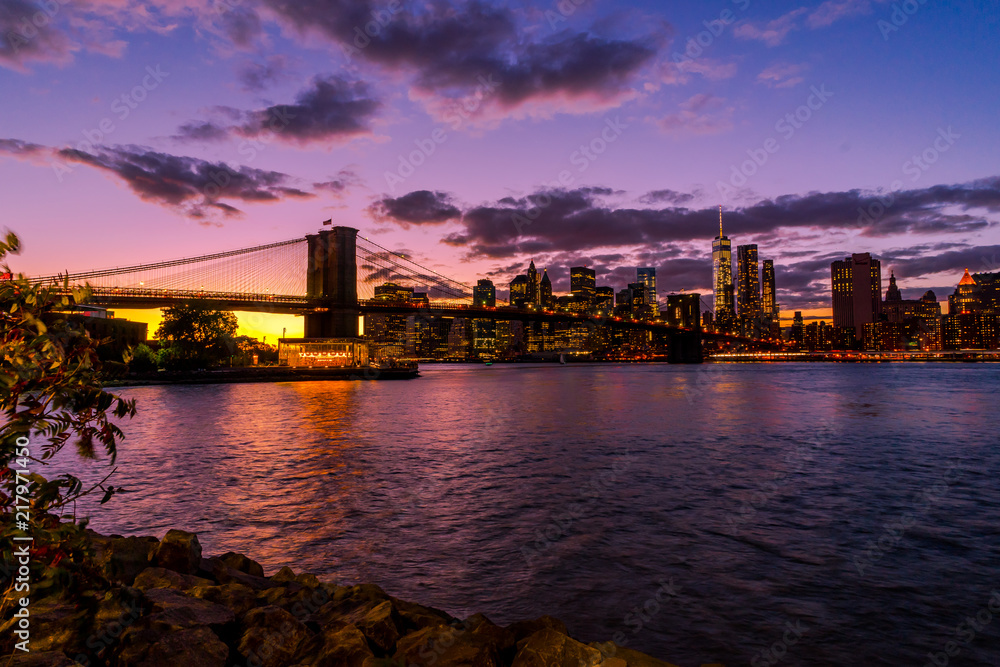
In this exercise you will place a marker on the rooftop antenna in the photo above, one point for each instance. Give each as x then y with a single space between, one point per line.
720 221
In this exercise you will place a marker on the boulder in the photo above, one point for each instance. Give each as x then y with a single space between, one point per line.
308 580
121 559
271 636
446 646
56 625
377 623
345 647
43 659
502 639
187 611
224 574
158 577
283 576
120 609
550 648
237 597
243 564
628 657
417 617
179 551
189 647
524 629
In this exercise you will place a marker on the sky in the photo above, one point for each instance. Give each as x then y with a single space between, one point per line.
477 136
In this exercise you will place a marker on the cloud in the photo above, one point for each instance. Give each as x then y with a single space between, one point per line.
668 196
449 48
259 76
331 109
782 75
191 186
29 34
339 185
701 114
832 11
772 33
419 207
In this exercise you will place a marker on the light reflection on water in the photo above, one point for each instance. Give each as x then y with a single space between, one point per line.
754 488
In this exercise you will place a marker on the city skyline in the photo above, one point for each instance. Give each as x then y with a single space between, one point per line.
476 137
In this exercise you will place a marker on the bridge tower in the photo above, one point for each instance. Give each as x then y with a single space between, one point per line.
332 277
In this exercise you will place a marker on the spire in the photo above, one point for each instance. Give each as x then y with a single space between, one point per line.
720 221
967 279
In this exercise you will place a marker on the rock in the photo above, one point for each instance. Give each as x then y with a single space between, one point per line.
121 559
43 659
550 648
243 564
190 647
345 647
237 597
446 646
179 551
283 576
627 656
502 639
271 636
524 629
120 609
308 580
202 612
417 617
377 624
56 625
158 577
224 574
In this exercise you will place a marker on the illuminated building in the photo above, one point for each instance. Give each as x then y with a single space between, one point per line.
331 352
920 320
638 300
604 301
647 276
966 297
798 332
748 290
484 331
722 279
534 286
583 283
968 325
770 310
519 292
989 291
684 310
856 283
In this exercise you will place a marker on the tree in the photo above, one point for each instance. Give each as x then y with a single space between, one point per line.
50 396
199 337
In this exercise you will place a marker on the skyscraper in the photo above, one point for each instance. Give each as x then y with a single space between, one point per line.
647 276
722 279
748 281
857 292
484 331
769 301
545 290
583 282
534 287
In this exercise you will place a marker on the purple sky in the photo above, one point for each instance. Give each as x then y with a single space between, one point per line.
614 129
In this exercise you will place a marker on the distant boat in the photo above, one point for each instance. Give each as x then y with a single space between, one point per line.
487 363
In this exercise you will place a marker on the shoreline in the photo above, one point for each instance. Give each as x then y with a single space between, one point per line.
164 604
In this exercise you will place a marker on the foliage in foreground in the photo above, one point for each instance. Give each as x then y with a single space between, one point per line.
50 396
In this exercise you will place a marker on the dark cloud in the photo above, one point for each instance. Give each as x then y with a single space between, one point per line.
259 76
450 48
419 207
339 185
18 148
23 40
192 186
668 196
331 108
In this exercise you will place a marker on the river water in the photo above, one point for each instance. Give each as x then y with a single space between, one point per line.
823 514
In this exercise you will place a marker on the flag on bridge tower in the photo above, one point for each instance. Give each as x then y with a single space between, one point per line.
328 222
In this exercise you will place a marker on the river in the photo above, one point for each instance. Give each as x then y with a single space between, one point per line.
822 514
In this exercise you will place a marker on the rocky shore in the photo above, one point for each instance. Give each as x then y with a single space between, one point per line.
165 605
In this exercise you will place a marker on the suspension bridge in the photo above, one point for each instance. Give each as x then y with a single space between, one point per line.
329 278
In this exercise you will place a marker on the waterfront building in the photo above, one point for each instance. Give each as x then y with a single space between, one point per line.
969 325
856 284
722 280
519 291
484 331
604 301
798 332
545 291
748 290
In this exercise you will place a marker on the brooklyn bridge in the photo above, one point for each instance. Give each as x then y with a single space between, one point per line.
330 278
